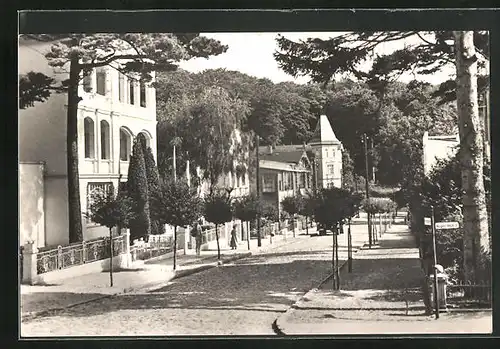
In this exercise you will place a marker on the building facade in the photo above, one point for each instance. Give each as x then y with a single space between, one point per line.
438 147
113 110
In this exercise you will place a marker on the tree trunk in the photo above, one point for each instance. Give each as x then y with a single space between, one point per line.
217 238
110 257
334 274
175 246
349 247
337 267
248 234
476 239
307 227
74 205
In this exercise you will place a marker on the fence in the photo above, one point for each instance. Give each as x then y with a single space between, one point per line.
469 293
63 257
157 245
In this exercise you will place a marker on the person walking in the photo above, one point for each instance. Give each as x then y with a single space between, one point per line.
198 236
233 243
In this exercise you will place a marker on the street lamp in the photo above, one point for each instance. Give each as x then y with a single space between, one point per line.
365 143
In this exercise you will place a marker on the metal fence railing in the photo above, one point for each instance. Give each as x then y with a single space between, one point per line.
157 245
466 293
63 257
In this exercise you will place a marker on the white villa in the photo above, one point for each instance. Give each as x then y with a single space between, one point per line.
114 109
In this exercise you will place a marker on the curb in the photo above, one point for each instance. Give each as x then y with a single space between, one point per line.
277 328
144 288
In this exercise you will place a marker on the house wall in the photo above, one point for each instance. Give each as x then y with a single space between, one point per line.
329 154
434 149
31 203
56 211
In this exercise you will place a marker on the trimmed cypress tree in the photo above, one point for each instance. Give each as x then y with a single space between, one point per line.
137 188
153 179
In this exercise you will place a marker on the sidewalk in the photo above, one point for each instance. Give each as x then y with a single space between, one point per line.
37 300
381 296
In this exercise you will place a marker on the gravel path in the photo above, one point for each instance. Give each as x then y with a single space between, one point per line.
242 298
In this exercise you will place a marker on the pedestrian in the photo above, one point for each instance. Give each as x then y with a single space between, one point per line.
198 236
233 243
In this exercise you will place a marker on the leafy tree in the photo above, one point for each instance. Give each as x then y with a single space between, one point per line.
347 171
246 209
34 87
133 53
137 189
111 212
177 204
218 210
307 207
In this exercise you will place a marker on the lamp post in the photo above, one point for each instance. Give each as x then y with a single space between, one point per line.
365 142
257 141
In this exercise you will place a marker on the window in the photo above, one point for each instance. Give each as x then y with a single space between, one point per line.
121 87
268 183
331 169
101 82
131 88
143 95
125 144
95 189
243 179
88 124
87 82
288 181
302 181
105 153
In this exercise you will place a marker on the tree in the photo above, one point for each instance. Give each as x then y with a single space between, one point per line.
137 189
324 59
476 239
34 87
347 171
246 209
177 204
112 212
292 205
218 210
153 179
307 208
133 53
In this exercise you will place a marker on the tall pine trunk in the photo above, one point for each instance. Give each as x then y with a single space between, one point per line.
475 219
74 205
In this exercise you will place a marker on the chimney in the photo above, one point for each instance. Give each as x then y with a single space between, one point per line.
270 149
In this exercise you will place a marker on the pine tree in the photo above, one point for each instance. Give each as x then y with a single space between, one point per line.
137 187
153 182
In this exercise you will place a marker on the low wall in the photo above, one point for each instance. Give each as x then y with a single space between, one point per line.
119 262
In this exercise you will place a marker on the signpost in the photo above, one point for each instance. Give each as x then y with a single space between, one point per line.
447 225
427 221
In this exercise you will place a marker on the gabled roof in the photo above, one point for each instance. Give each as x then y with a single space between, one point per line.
324 132
287 156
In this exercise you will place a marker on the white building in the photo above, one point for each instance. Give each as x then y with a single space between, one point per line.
438 147
114 109
328 151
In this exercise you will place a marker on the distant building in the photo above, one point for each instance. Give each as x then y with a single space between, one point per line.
114 109
286 170
438 147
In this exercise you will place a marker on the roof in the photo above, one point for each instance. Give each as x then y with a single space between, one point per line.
276 165
324 132
287 157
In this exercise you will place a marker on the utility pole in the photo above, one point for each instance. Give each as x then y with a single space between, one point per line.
436 296
257 141
365 142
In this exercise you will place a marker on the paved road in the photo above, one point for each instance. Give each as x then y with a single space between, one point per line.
243 298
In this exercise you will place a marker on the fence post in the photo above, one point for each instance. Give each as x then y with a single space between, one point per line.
29 262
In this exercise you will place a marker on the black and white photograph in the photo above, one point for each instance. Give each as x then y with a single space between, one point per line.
254 183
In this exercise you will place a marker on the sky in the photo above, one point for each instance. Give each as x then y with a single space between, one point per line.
252 54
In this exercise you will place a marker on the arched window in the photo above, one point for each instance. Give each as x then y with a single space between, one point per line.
145 138
125 144
89 138
105 139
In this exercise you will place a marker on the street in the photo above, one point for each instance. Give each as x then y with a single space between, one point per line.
242 298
